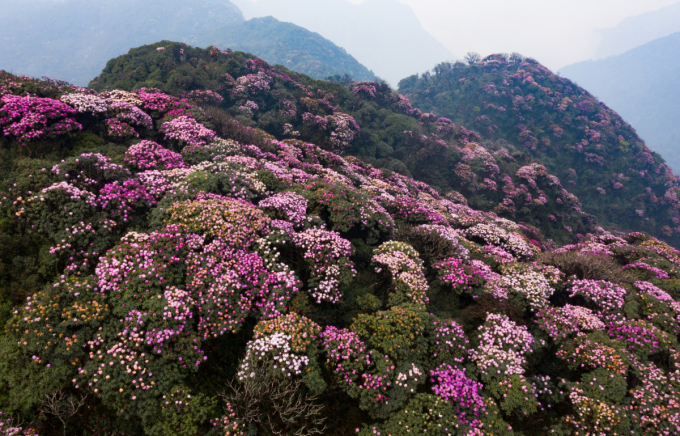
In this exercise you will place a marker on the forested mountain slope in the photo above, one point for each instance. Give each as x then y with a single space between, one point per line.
540 184
643 85
594 152
363 119
168 270
292 46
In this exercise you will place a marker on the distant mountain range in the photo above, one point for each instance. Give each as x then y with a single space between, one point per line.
292 46
643 85
39 37
384 35
638 30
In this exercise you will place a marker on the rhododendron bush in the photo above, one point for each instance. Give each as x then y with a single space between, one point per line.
186 282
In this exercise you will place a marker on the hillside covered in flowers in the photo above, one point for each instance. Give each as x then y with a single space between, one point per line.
365 119
519 104
169 268
560 190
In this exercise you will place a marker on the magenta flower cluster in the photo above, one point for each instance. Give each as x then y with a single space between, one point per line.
148 155
187 130
327 255
453 385
29 118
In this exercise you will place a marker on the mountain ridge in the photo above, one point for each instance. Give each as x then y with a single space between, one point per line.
638 30
642 85
495 171
378 33
518 102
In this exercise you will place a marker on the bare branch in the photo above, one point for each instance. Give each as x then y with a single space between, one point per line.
275 404
62 406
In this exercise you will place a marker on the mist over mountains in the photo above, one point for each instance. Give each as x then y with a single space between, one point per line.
384 35
638 30
72 40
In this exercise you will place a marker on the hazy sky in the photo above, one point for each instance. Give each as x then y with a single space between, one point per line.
555 32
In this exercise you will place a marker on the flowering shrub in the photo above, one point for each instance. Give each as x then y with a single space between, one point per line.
90 171
497 254
531 282
604 295
410 210
562 322
346 354
187 131
448 342
389 379
121 198
292 206
365 88
461 275
343 130
346 208
91 103
149 155
453 385
285 341
502 347
406 270
29 117
327 255
205 96
120 128
497 236
657 272
235 222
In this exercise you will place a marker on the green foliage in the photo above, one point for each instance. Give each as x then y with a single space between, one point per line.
183 414
165 70
347 209
397 332
424 414
511 393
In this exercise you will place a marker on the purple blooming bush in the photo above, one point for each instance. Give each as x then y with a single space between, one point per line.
148 155
28 118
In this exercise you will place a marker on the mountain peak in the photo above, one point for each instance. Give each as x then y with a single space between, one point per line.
391 27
